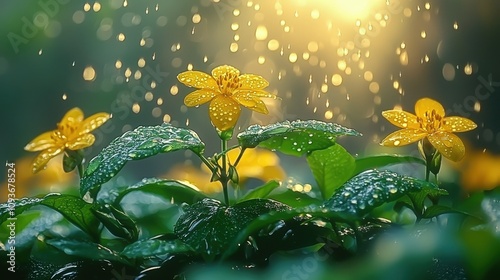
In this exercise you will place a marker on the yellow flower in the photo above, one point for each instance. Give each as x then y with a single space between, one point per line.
72 133
429 122
226 90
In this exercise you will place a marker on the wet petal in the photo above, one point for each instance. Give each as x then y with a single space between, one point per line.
74 115
251 81
448 144
248 99
81 142
427 105
197 79
403 137
224 112
41 142
259 107
224 70
93 122
457 124
401 119
199 97
41 160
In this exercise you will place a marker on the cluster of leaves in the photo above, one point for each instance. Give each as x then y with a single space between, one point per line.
198 229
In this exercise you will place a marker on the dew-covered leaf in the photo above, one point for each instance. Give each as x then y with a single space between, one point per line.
331 168
370 189
294 138
261 191
172 190
372 162
140 143
75 210
207 226
13 208
153 248
283 215
86 249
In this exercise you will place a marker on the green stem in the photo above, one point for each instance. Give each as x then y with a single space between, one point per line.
239 157
207 162
224 178
427 172
80 169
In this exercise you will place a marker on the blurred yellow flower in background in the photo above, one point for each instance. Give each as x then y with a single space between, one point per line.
53 179
429 122
255 163
226 90
72 133
480 171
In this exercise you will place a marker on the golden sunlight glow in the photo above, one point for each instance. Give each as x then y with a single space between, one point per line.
352 9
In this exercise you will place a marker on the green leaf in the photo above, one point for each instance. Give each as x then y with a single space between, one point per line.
418 198
153 248
75 210
208 226
12 208
115 225
140 143
261 191
293 198
371 189
285 215
331 168
294 138
367 163
86 249
72 159
436 210
171 190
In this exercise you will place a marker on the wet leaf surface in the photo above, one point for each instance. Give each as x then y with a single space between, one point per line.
140 143
208 226
153 248
371 189
294 138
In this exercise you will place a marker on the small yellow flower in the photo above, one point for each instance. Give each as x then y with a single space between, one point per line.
429 122
72 133
226 90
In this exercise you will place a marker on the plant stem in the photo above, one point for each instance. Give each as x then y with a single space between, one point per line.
427 172
239 157
224 178
79 167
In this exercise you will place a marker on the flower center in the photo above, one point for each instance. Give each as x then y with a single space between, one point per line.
431 122
228 83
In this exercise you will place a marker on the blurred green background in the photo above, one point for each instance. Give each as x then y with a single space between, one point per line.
339 61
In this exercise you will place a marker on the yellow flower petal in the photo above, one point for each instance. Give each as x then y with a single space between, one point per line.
248 99
199 97
41 160
448 144
457 124
224 70
41 142
81 142
197 79
251 81
403 137
428 105
93 122
401 119
224 112
73 115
